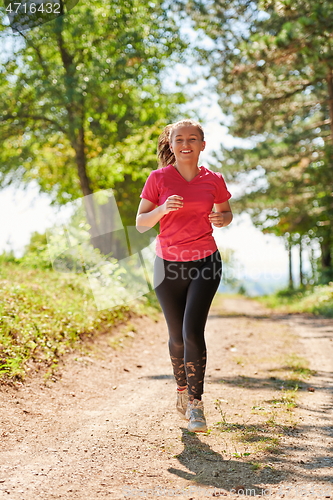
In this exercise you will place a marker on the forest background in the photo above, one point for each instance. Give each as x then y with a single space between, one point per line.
85 102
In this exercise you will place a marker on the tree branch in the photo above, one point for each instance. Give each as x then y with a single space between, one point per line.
41 60
290 94
36 118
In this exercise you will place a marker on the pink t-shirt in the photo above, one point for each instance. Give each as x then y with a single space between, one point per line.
186 234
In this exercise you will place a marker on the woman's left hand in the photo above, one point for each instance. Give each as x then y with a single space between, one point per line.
216 218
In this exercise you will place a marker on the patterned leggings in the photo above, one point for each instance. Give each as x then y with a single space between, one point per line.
185 291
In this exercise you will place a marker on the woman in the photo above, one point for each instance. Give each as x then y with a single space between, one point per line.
187 269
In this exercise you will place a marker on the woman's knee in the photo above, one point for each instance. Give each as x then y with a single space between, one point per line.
176 347
194 342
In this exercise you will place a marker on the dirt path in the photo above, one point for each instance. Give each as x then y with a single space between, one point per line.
107 428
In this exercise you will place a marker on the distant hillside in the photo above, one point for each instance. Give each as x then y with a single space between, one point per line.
254 288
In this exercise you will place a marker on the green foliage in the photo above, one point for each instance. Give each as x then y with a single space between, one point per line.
242 290
36 254
84 99
273 64
289 293
6 257
43 315
317 300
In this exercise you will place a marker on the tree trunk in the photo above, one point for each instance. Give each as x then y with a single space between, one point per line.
76 114
301 275
291 281
326 260
313 264
83 176
99 217
326 255
329 79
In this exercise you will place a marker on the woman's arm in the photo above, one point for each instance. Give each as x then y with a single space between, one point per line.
148 214
222 216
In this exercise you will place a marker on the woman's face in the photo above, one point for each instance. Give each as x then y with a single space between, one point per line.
186 143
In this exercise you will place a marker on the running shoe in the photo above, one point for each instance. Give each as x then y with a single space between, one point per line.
182 401
196 417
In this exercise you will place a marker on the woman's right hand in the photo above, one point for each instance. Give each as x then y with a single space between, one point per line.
172 203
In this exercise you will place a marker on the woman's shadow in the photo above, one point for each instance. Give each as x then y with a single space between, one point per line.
207 468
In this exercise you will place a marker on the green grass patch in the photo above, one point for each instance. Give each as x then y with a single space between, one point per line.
44 314
299 366
316 300
256 466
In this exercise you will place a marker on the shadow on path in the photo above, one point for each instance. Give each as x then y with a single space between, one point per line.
207 468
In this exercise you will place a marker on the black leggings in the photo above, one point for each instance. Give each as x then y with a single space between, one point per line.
185 291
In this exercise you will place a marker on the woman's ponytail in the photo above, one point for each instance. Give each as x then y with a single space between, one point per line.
164 153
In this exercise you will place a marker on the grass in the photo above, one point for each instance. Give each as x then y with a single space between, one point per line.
287 400
316 300
240 360
256 466
120 341
299 366
272 418
255 437
263 437
44 314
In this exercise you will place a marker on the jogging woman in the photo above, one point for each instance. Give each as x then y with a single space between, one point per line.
187 269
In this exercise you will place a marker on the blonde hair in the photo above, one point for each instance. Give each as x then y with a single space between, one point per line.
164 153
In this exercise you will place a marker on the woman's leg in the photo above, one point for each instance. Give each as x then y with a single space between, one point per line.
171 292
185 294
203 286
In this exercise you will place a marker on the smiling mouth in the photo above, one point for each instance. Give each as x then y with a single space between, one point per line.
186 151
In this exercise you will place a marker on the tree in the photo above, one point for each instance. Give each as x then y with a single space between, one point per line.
84 98
273 62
